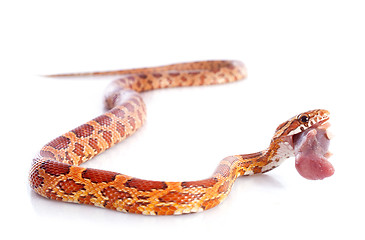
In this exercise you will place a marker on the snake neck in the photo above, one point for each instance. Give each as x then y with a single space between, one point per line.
235 166
256 163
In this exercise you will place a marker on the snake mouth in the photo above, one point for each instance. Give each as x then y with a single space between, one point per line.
311 151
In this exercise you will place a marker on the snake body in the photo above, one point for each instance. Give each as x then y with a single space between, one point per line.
56 174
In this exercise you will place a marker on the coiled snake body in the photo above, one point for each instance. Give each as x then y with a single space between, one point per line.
56 174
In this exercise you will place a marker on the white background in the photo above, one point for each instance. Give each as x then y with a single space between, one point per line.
300 55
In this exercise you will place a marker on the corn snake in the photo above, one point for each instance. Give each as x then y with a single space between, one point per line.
56 174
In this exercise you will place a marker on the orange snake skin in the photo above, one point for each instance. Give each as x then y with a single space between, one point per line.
56 174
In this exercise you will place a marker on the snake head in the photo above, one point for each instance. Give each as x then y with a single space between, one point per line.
307 136
301 122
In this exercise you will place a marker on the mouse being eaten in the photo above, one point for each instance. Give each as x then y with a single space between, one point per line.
311 152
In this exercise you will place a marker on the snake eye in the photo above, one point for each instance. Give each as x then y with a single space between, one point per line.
303 118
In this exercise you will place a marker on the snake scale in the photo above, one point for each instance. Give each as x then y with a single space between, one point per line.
56 174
